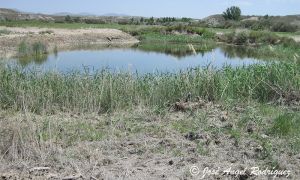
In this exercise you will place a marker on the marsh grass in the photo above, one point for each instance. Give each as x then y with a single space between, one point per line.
104 91
35 49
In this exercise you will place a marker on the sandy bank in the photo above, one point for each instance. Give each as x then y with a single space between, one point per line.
61 38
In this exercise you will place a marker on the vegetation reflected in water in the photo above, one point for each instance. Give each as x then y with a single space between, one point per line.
144 57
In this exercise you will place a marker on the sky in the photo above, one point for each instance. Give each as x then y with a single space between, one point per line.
156 8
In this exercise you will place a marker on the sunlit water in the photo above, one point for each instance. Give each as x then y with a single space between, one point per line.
130 59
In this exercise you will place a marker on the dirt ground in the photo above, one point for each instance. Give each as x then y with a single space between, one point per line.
61 38
139 144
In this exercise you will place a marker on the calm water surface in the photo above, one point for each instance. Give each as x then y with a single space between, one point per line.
132 59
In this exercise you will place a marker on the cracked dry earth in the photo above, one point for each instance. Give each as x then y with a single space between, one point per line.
140 144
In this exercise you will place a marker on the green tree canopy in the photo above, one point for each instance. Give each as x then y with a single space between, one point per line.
232 13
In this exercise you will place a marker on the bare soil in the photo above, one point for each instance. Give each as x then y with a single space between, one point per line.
61 38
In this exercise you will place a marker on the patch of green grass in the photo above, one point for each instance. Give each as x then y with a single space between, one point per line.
183 126
285 125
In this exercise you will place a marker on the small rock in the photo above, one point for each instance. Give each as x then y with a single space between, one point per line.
251 127
171 162
239 109
258 149
232 160
228 126
264 136
192 136
224 116
217 142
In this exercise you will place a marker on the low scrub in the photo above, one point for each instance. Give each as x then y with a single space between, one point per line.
257 38
190 30
283 27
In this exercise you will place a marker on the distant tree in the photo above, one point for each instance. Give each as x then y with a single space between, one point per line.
142 20
151 21
266 16
131 20
232 13
68 19
184 19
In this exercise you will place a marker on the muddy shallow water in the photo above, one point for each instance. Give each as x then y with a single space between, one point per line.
134 59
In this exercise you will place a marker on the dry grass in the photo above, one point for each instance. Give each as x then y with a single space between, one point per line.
139 143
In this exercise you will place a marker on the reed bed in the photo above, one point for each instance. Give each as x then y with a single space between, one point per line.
104 91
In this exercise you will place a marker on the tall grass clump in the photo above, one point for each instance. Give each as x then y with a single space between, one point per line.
104 91
36 49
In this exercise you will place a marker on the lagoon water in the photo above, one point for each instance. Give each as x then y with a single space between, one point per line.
133 59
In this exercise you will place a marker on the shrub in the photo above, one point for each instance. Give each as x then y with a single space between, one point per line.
240 38
94 21
283 27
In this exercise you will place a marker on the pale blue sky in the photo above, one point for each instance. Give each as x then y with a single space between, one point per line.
156 8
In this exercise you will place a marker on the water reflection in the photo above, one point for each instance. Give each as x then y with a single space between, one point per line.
180 51
177 50
145 58
241 52
37 59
